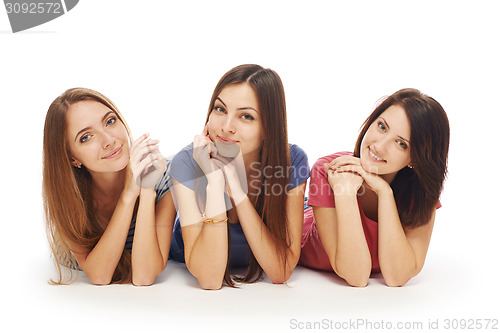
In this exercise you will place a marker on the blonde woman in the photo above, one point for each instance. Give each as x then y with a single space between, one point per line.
107 203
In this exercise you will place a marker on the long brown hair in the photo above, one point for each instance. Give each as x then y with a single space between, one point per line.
274 155
417 189
68 204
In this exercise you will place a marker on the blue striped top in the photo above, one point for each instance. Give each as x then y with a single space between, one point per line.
161 188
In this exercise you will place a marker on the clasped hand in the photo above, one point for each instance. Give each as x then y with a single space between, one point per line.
346 175
146 165
222 164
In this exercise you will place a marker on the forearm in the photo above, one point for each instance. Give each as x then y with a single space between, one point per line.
207 260
147 259
397 259
352 256
100 263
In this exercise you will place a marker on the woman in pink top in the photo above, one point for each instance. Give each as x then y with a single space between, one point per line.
374 210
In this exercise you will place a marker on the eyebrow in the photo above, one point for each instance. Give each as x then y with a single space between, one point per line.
89 127
399 136
239 109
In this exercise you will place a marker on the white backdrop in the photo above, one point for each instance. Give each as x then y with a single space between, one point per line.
159 62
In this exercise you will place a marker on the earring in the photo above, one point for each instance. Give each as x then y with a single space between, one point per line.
410 166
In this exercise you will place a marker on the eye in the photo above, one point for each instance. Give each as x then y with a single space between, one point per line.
218 109
382 126
247 116
402 144
111 121
85 138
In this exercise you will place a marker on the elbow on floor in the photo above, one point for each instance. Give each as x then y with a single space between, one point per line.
143 281
100 280
210 284
280 278
356 280
358 283
395 283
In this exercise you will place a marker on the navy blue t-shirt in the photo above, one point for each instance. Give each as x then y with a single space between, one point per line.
186 171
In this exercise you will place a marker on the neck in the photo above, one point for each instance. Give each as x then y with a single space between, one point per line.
250 163
109 184
389 177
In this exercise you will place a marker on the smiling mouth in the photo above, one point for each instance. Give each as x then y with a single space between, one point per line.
114 153
374 156
226 140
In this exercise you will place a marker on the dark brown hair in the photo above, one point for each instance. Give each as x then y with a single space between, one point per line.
416 190
69 214
274 154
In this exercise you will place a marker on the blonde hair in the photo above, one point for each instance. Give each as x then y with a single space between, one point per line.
67 200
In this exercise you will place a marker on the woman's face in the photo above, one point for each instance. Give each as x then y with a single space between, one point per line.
385 148
96 137
236 119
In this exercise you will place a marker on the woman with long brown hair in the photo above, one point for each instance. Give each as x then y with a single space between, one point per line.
374 210
239 188
107 203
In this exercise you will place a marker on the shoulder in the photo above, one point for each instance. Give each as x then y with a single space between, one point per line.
328 158
297 155
299 163
185 155
183 167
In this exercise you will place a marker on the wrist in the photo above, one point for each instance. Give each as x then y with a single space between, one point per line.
147 193
342 191
216 178
346 197
384 190
216 181
129 197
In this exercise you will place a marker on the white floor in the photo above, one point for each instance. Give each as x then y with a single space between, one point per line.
450 287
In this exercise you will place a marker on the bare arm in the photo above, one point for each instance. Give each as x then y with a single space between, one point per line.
100 263
205 245
402 251
343 238
264 245
153 233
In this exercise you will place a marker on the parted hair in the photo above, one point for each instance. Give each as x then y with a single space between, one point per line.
417 189
67 200
274 153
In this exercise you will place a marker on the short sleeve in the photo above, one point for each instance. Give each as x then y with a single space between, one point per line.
320 191
184 168
299 166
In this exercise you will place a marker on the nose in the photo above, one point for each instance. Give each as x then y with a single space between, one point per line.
229 126
107 140
383 144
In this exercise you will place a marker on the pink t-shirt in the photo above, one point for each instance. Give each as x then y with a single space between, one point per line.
313 254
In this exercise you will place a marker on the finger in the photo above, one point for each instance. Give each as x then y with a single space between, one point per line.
145 164
138 141
205 130
145 143
200 141
344 160
353 169
142 151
